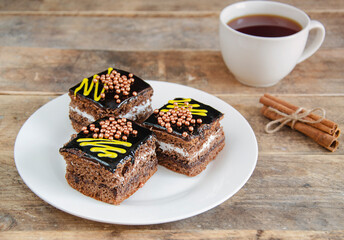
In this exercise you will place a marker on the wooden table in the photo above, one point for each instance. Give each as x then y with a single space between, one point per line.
297 188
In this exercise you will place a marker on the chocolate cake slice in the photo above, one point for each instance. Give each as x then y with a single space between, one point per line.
110 159
189 135
113 92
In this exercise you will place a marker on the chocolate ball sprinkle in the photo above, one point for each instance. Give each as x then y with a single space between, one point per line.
179 116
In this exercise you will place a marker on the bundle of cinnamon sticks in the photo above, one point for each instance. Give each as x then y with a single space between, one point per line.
325 132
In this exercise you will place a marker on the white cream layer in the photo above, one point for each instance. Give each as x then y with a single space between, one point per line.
136 110
132 114
167 147
89 117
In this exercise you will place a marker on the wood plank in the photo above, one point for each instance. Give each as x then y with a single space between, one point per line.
132 33
152 5
285 192
49 71
16 109
280 195
176 235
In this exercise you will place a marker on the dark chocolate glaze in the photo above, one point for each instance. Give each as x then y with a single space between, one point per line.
212 116
138 86
142 136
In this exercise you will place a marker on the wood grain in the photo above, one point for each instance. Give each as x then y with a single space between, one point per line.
39 70
178 235
152 5
314 201
133 33
16 109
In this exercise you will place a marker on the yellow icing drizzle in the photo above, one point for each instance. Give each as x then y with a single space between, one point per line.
88 88
110 70
181 103
103 146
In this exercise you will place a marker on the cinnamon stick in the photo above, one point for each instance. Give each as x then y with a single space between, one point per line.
326 140
325 124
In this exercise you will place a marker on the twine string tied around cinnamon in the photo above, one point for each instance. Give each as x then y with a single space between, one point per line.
298 115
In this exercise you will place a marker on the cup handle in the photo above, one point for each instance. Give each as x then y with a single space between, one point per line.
313 46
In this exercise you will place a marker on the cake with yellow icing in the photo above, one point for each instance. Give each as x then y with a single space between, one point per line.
189 135
113 92
110 159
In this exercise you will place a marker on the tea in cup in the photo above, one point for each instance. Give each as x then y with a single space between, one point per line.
262 41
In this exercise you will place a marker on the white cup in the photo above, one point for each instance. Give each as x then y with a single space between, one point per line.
264 61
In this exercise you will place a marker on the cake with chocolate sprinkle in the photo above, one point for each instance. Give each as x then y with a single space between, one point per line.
189 135
113 92
110 159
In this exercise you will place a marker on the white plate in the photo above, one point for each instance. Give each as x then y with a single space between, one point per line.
166 197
